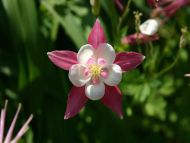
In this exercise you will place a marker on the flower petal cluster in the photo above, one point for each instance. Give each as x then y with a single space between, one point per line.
95 72
21 132
95 68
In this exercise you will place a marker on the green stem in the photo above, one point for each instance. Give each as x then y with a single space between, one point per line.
151 48
169 67
122 18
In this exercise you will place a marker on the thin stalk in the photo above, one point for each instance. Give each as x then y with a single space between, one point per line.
169 67
123 16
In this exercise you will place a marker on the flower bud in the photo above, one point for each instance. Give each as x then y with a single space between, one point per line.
137 16
95 7
183 38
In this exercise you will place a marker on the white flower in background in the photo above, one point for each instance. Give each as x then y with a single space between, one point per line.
187 75
95 67
149 27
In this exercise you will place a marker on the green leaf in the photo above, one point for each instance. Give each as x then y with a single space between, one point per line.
71 24
156 106
167 87
109 7
145 92
80 11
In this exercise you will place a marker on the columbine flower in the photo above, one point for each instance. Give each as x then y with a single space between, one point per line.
138 38
21 132
95 72
94 69
149 27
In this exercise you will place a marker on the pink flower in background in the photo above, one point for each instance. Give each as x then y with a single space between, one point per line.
157 3
139 38
173 7
119 4
167 7
95 72
20 133
152 3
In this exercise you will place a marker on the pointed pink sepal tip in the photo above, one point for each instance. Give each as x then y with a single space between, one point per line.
113 100
63 58
97 35
76 101
129 60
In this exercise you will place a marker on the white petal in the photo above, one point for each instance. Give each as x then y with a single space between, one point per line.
95 91
114 75
105 51
85 53
77 75
149 27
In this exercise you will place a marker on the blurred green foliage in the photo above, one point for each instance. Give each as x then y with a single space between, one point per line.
155 95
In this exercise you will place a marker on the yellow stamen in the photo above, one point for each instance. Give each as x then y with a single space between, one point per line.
95 70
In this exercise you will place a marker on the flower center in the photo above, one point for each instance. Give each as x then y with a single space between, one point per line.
95 70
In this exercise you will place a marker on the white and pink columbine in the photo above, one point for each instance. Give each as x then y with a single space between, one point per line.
95 68
95 72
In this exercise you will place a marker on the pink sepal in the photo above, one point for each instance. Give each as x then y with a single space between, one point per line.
76 101
113 99
97 35
128 60
63 59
